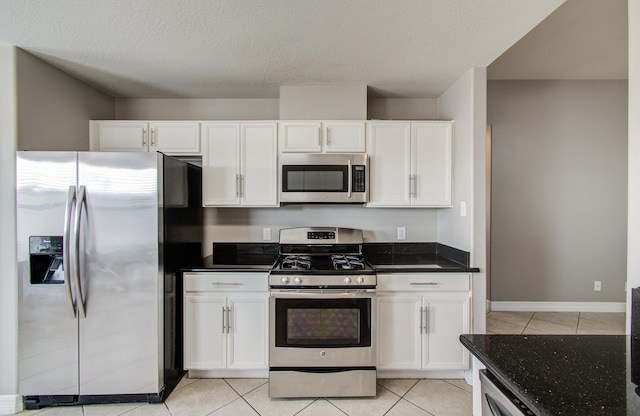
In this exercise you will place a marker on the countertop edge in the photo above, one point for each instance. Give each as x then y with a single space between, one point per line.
497 373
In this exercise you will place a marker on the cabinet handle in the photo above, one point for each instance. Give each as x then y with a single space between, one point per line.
153 133
319 136
410 188
424 284
225 284
241 185
328 136
425 320
144 137
421 319
237 186
223 322
349 179
228 319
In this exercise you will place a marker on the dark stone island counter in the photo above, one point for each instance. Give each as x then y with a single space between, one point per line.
565 374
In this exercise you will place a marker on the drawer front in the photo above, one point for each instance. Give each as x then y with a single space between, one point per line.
226 282
404 282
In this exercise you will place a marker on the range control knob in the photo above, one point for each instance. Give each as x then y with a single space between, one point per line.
360 280
285 280
297 281
347 280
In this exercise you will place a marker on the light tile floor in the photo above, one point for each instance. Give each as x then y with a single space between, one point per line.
559 323
395 397
244 397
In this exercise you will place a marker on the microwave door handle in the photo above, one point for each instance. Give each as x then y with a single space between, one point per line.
349 179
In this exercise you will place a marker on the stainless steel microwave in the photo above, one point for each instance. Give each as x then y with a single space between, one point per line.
324 178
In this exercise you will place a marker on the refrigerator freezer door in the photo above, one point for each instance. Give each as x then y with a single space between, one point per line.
120 335
47 327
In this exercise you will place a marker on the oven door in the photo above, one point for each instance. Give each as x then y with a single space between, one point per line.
322 328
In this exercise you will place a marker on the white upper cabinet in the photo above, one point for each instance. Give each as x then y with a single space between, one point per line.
170 137
410 163
239 164
322 137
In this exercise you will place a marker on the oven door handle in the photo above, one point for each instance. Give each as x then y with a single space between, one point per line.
315 293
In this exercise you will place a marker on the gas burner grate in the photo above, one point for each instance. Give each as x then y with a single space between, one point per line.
296 262
342 262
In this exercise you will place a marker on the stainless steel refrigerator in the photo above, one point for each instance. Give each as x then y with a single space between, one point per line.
101 238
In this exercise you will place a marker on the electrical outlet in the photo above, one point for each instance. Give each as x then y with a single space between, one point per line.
597 285
266 234
402 233
463 209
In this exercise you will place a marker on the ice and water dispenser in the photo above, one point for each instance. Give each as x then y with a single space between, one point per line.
45 260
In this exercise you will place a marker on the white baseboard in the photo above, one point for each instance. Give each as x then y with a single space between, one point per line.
507 306
10 404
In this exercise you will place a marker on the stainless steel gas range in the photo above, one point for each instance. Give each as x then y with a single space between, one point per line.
322 316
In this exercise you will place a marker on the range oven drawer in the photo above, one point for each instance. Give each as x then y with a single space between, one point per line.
217 281
334 383
408 282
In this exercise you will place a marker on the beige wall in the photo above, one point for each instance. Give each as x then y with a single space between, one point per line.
8 270
323 102
465 103
197 109
54 108
559 190
633 242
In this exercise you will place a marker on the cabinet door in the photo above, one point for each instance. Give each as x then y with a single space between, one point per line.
431 163
399 332
124 136
344 136
221 164
248 333
301 137
175 138
389 146
447 318
204 341
259 165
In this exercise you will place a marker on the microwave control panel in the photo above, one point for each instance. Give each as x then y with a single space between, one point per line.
358 178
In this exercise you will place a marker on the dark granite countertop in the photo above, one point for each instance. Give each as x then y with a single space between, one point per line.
564 374
417 257
238 257
384 257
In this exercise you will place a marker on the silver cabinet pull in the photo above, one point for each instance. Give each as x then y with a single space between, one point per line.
228 319
425 320
144 137
66 241
153 133
412 185
410 193
424 284
349 179
319 136
226 284
237 186
82 201
223 321
328 136
241 185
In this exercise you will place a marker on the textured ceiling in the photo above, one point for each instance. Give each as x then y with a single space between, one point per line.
248 48
582 39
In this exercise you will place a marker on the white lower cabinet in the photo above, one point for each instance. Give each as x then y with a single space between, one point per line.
225 322
418 328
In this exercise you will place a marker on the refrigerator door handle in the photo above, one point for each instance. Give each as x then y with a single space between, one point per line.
66 260
76 244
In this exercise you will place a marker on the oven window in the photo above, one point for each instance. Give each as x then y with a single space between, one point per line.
314 178
323 322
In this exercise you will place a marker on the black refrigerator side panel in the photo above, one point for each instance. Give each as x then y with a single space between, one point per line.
183 235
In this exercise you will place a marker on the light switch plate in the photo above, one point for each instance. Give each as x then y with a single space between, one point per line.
463 209
266 234
402 233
